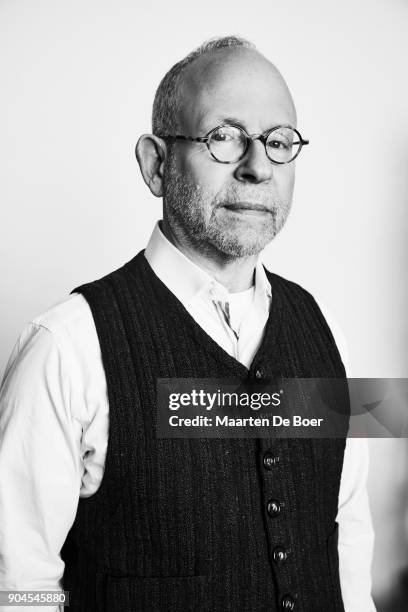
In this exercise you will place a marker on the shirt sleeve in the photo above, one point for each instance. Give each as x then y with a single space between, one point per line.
40 471
356 535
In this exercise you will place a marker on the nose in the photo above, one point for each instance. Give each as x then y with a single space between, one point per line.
255 167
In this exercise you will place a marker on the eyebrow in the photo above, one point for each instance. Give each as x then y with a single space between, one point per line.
220 120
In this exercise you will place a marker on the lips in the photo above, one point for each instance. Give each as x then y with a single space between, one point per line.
246 207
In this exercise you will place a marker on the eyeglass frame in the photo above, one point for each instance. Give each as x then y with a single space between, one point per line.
263 137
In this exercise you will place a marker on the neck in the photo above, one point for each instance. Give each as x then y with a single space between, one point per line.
236 274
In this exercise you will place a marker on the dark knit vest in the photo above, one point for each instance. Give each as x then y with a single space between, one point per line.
185 524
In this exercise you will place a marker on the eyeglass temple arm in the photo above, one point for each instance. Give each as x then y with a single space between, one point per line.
179 137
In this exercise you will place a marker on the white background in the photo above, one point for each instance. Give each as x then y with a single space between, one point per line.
77 85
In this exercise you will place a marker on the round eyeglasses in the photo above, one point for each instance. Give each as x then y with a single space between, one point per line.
229 143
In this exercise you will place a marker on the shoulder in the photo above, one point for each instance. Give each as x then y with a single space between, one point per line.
297 294
63 336
103 295
65 316
57 357
291 290
71 325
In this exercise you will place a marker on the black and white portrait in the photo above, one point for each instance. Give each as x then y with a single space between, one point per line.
199 192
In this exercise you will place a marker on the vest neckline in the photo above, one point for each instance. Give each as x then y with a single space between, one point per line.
271 332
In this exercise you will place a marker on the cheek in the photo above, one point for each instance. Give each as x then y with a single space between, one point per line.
205 174
285 180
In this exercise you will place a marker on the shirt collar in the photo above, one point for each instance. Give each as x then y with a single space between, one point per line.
185 279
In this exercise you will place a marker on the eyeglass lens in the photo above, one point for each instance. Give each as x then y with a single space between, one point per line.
228 144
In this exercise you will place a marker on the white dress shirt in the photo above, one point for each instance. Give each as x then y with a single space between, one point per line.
54 425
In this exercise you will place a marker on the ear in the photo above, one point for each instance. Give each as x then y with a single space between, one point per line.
150 154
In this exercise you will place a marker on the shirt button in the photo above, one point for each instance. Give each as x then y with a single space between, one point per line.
274 507
269 460
280 555
288 603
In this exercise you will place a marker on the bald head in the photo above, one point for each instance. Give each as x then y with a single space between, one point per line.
207 65
240 84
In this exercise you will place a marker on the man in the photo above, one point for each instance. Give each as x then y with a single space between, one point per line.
174 524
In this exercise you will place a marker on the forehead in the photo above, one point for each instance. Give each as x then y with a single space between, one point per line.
234 84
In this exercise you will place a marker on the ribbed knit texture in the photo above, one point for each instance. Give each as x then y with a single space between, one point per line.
181 524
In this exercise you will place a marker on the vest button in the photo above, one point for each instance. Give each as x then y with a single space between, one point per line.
280 555
259 373
269 460
288 603
274 507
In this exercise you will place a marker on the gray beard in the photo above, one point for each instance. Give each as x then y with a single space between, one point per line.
184 206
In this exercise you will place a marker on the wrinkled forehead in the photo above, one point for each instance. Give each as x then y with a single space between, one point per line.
233 85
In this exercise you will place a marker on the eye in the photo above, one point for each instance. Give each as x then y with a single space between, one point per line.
227 133
222 136
279 144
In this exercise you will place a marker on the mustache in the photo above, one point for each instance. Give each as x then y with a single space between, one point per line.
253 194
259 201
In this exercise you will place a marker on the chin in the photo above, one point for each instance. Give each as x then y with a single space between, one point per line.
240 245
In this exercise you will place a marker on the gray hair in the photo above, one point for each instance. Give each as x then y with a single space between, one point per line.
166 100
